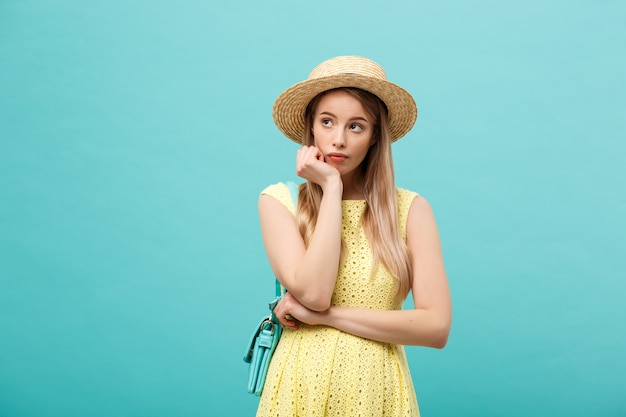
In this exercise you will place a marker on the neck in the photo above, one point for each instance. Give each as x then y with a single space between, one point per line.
352 187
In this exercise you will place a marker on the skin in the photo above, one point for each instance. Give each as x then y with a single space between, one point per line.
343 136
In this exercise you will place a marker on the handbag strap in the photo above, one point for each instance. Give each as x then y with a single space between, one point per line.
294 191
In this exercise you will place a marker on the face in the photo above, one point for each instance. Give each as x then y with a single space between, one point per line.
342 130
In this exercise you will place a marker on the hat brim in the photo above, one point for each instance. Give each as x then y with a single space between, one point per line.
290 107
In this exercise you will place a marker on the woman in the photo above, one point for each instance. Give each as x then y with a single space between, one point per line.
350 252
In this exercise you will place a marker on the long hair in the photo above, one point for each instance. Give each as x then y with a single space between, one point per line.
380 218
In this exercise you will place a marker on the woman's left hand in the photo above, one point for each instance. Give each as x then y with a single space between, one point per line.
290 312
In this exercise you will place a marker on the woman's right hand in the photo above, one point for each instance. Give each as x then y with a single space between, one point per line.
310 165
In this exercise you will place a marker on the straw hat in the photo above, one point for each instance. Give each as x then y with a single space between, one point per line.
344 71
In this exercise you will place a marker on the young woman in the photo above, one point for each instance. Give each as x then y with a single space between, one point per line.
350 252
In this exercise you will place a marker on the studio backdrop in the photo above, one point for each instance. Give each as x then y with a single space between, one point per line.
136 136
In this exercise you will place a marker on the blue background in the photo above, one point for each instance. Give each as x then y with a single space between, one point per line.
135 137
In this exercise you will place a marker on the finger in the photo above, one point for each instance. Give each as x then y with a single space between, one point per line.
291 324
304 154
283 317
288 323
312 152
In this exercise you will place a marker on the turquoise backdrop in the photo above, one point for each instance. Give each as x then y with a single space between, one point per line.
135 137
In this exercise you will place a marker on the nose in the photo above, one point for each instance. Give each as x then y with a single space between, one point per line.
339 140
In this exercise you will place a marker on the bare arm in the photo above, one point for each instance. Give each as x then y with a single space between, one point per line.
308 273
428 324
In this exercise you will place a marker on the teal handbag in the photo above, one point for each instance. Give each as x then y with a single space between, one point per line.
260 349
266 334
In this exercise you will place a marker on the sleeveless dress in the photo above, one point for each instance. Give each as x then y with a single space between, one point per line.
320 371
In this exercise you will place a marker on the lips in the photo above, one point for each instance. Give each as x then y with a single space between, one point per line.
337 157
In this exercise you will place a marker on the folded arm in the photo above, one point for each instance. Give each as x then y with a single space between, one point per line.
308 273
427 324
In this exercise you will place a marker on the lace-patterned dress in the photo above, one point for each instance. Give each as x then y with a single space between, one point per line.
321 371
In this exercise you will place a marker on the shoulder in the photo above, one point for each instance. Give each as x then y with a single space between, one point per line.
414 210
405 201
280 191
420 216
273 189
411 201
405 197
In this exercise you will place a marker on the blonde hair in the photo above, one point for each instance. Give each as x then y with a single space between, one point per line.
380 218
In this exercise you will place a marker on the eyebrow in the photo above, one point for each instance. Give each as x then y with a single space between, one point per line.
351 119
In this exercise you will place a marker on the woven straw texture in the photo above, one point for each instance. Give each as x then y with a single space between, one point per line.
344 71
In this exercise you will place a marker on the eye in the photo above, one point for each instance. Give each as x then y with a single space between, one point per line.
356 127
326 122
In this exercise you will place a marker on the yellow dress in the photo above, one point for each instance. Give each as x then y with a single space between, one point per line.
320 371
